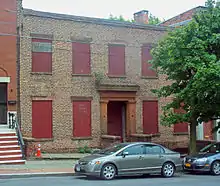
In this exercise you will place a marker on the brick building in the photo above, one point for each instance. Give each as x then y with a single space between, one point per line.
182 18
8 56
87 81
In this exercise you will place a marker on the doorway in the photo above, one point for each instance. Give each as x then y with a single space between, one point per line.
3 103
116 114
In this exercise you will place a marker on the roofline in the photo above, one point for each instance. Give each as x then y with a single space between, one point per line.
181 14
91 20
185 22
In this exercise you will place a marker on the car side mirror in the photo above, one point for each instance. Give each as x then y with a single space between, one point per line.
125 154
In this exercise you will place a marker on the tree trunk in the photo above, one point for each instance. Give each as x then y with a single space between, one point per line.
192 147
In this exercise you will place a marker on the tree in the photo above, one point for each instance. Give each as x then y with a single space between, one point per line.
152 19
189 57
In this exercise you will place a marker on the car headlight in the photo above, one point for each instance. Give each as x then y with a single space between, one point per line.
201 160
95 162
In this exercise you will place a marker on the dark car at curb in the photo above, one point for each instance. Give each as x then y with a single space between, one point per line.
207 160
130 159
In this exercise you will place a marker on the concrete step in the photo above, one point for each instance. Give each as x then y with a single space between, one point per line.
10 152
8 138
2 133
7 143
12 162
9 147
10 157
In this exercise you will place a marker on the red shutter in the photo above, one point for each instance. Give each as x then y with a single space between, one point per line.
42 119
81 118
116 62
81 58
150 117
207 128
146 66
180 127
41 61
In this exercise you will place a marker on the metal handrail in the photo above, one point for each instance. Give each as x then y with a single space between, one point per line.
13 124
20 138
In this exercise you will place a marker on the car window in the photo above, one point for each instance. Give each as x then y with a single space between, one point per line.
154 149
112 149
135 150
211 148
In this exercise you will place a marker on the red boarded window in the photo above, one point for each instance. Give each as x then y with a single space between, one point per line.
146 66
41 55
42 119
81 118
81 58
207 128
180 127
116 62
150 117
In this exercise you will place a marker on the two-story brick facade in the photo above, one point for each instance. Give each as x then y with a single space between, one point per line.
87 81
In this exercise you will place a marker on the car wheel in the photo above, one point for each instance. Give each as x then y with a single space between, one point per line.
215 168
168 170
108 172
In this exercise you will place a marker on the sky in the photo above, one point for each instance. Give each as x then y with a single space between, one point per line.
164 9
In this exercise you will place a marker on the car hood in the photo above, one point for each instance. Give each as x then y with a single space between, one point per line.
91 157
201 155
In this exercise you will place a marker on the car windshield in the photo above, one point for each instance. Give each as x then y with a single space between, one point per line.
112 149
211 148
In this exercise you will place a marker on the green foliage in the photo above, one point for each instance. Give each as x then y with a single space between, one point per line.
84 150
153 20
99 76
190 58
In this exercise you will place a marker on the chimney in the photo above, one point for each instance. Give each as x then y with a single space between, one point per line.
141 17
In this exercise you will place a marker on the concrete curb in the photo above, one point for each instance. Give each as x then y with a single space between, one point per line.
40 159
29 175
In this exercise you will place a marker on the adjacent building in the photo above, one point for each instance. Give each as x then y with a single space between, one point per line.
8 60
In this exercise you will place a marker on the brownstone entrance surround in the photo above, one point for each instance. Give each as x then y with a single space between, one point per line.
130 99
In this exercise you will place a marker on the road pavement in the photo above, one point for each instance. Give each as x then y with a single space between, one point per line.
178 180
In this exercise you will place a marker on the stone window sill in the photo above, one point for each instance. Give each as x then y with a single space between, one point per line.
38 139
149 77
81 75
180 133
117 76
81 138
145 135
41 73
111 137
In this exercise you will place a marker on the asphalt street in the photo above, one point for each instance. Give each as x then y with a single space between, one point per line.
178 180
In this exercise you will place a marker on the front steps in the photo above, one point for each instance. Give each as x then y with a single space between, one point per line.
10 152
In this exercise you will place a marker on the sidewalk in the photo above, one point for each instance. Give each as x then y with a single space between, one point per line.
38 168
49 164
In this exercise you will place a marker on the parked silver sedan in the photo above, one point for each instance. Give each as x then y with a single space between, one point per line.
126 159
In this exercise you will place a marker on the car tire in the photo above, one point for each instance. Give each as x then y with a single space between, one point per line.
215 168
108 172
168 170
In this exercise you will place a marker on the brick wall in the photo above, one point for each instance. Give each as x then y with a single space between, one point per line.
181 17
61 84
8 21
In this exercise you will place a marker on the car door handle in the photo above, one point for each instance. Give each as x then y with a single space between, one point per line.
141 157
161 156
